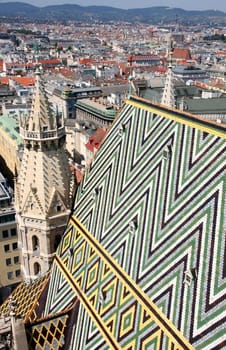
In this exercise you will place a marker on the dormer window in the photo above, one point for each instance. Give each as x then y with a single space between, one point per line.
45 128
167 152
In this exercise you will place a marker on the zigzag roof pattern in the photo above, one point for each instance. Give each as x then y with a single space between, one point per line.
144 249
149 200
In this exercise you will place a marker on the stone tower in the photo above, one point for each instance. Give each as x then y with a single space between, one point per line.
42 189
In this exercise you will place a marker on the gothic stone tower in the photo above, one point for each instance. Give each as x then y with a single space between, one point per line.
43 186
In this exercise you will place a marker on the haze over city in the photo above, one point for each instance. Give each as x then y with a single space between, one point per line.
187 5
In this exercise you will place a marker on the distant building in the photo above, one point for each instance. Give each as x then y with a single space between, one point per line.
178 37
16 108
63 99
210 108
218 72
9 253
10 142
190 73
181 54
96 113
210 104
6 94
142 60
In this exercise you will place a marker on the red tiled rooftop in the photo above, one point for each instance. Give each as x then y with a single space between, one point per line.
222 53
89 147
25 81
96 139
1 65
108 62
50 61
181 53
4 80
86 60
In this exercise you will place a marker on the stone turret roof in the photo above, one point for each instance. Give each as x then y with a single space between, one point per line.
44 179
41 114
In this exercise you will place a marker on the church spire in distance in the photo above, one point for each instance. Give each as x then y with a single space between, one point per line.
168 96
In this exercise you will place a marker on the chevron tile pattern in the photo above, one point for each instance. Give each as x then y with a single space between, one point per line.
154 199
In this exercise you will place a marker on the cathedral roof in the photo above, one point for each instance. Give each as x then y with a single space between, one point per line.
144 247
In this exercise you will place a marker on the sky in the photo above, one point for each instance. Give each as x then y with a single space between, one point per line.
125 4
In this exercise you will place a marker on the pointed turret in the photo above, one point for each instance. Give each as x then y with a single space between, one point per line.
41 115
43 186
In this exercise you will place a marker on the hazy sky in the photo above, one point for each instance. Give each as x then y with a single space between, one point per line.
185 4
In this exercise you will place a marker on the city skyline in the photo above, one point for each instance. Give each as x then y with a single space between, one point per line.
184 4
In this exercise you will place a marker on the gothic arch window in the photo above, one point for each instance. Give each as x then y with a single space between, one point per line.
35 243
37 268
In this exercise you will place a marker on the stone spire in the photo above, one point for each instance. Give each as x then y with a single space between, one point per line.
41 115
168 97
43 185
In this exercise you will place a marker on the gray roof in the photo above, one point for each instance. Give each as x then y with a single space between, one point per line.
207 105
186 69
11 126
122 88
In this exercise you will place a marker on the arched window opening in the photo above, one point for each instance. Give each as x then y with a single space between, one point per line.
37 268
35 243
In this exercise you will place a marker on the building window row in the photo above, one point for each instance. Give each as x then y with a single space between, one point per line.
7 233
10 274
15 259
7 247
7 218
